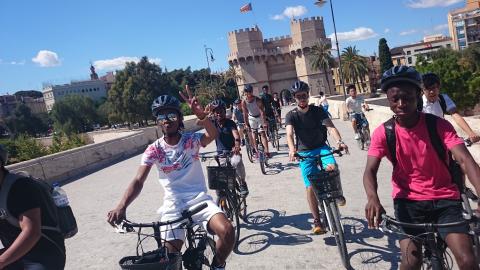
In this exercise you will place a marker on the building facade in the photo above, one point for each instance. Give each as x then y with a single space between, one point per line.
408 54
278 62
464 25
367 84
8 104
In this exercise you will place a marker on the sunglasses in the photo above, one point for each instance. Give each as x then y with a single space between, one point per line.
172 117
304 96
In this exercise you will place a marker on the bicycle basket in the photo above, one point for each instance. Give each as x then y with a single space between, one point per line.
221 178
326 185
152 261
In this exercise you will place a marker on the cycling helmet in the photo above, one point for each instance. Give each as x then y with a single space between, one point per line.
429 79
165 102
237 101
401 74
299 86
3 155
217 103
248 88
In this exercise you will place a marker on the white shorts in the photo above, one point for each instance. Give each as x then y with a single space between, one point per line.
256 123
173 232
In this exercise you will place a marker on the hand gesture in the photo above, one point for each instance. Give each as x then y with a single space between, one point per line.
193 103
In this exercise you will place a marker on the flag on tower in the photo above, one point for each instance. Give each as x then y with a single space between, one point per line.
246 8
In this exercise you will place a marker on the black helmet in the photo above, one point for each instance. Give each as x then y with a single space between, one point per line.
237 101
3 155
429 79
299 86
401 74
248 88
217 103
165 102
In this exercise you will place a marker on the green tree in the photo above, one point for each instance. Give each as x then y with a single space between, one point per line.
384 55
321 59
354 65
74 114
24 122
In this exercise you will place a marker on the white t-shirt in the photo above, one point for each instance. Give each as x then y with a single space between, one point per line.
322 101
355 104
435 107
179 169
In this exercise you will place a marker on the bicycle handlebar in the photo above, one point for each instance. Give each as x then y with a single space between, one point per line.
386 220
186 214
336 151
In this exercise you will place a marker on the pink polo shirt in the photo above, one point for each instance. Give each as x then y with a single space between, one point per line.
419 174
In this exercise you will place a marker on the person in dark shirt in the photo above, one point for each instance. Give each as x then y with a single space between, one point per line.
28 246
228 140
309 123
277 107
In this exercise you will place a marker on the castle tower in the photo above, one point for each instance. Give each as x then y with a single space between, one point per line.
305 34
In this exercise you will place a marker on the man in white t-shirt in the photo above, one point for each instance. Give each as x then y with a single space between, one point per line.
176 156
441 104
355 104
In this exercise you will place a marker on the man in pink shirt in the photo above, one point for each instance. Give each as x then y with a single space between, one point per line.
423 191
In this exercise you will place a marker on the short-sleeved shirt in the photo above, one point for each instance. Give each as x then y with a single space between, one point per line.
25 195
419 173
309 129
435 107
355 104
238 115
225 140
267 104
179 169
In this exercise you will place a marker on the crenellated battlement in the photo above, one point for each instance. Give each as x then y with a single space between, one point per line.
244 30
311 19
267 40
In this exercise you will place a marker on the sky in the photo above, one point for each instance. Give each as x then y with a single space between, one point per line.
54 41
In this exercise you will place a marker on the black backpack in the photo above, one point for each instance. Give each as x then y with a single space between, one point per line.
63 216
431 121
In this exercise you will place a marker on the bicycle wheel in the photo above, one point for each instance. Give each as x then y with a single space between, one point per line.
366 137
337 230
200 254
277 139
242 204
262 160
228 205
209 253
248 148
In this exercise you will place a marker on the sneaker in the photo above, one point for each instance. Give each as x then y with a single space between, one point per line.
318 227
341 201
218 267
243 190
357 136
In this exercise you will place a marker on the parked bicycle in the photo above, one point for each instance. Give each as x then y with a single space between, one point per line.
224 179
328 188
198 254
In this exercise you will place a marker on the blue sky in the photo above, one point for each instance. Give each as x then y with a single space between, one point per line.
54 41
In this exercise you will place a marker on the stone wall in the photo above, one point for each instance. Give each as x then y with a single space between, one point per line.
61 166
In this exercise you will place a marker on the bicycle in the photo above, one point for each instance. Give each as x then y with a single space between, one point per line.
272 133
248 146
224 180
435 254
328 188
198 254
363 130
262 157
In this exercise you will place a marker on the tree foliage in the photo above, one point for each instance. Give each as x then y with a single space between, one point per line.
24 122
459 73
74 114
384 55
354 66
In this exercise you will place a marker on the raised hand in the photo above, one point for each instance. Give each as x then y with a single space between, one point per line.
193 103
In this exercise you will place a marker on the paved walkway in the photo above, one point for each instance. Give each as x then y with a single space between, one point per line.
278 234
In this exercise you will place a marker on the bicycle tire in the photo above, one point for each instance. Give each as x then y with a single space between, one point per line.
248 148
242 204
209 253
366 137
277 138
262 160
229 208
337 230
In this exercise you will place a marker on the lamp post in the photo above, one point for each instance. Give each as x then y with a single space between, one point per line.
320 3
207 51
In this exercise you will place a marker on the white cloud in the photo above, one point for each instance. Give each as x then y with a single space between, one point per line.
291 12
440 27
19 63
387 30
119 62
408 32
360 33
46 58
431 3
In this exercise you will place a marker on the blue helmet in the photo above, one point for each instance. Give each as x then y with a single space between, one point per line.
299 86
401 74
165 102
217 103
248 88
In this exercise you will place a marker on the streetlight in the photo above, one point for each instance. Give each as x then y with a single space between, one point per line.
209 50
320 3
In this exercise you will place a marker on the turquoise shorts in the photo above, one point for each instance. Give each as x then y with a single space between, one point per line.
309 166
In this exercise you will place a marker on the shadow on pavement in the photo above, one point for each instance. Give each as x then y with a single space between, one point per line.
267 223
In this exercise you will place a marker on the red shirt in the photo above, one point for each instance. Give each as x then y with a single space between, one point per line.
419 174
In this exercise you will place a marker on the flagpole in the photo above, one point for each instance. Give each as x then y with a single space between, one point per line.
254 17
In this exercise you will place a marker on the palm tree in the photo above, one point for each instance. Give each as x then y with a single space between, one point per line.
321 58
232 75
354 65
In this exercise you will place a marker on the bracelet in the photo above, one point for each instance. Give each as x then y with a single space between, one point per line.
340 142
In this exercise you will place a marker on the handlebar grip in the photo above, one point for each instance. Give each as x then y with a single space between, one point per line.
190 212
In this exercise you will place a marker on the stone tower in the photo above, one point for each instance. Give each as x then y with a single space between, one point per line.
279 61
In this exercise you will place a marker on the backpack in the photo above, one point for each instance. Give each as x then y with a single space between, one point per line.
431 121
63 216
443 103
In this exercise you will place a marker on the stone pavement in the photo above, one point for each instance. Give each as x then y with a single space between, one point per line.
278 232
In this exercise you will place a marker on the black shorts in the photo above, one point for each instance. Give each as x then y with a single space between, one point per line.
439 211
